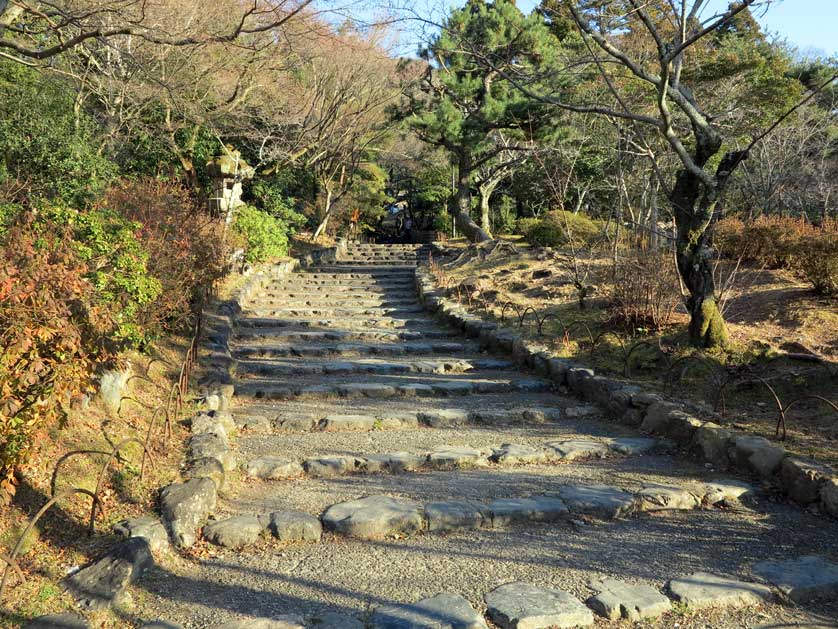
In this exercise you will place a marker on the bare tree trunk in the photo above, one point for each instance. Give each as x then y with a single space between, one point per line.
462 199
486 190
693 209
326 215
654 237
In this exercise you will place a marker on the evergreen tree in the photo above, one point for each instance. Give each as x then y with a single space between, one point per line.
467 102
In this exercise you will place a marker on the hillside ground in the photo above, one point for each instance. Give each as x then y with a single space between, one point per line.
783 335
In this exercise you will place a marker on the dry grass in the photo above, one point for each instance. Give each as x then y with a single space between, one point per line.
73 457
770 313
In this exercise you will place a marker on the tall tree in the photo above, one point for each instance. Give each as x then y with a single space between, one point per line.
463 105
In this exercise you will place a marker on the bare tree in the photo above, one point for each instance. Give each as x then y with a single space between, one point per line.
36 30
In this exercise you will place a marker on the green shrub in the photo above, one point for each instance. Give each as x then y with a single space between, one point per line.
277 204
44 142
118 264
559 229
8 212
263 236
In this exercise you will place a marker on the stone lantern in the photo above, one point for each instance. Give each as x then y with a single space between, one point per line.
227 172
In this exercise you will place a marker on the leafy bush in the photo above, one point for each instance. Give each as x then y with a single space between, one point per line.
277 204
770 241
117 263
263 236
52 327
505 222
186 242
524 225
559 229
44 141
784 243
645 291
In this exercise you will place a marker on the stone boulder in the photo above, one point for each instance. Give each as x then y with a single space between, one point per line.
294 526
757 454
184 506
803 478
443 611
236 532
104 582
375 517
525 606
148 528
701 589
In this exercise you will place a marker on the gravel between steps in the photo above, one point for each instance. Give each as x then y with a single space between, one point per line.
349 576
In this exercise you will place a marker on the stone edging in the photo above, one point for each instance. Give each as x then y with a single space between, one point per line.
805 481
185 506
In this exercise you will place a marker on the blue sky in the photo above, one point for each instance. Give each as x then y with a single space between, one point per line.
811 25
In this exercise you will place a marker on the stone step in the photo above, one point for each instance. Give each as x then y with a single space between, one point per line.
380 261
449 458
344 323
382 516
361 349
250 335
297 301
341 292
397 386
308 280
371 276
391 271
296 368
262 420
330 313
363 256
533 413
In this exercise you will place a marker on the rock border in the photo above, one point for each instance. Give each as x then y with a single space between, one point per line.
803 481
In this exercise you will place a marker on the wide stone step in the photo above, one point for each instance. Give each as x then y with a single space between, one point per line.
336 282
330 313
277 368
345 323
361 270
371 276
532 413
361 349
381 516
396 386
299 301
320 336
260 420
380 261
397 291
450 458
353 258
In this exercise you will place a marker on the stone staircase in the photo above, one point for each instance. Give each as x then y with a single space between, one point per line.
396 475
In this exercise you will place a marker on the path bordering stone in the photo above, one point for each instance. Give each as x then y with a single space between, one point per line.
382 516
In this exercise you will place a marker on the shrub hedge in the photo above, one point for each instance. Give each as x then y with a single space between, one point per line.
560 229
810 251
